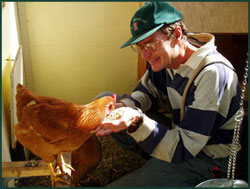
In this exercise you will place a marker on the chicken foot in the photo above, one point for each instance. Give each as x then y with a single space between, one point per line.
61 169
55 177
63 165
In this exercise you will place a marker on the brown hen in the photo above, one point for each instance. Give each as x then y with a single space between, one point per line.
49 126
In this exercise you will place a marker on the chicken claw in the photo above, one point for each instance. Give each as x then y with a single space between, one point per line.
55 177
61 169
63 166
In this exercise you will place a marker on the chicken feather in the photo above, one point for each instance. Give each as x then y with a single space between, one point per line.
49 126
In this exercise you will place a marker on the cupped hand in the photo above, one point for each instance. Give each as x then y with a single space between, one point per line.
126 116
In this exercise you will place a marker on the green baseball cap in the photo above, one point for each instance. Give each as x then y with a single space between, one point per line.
149 18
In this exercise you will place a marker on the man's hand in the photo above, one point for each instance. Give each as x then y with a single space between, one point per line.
126 117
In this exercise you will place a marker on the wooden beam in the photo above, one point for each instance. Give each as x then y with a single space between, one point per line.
24 169
24 40
142 64
34 168
214 17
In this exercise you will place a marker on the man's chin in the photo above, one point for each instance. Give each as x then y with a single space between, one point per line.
156 68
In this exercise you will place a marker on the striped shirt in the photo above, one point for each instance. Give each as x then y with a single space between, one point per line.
210 108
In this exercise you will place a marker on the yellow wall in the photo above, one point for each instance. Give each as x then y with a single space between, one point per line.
75 48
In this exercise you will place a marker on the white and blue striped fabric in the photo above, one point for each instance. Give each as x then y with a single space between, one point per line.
210 107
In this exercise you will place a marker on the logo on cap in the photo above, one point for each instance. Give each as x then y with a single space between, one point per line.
135 26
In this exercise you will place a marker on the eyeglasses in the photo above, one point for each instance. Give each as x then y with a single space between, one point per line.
147 46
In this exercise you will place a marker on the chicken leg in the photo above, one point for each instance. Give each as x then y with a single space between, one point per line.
63 166
55 177
61 169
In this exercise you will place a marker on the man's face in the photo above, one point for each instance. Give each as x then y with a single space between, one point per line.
158 50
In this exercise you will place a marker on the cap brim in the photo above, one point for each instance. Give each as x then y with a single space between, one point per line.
136 39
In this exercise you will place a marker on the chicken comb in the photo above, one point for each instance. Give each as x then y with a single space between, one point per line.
114 97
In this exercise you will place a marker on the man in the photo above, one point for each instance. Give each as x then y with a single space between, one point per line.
195 146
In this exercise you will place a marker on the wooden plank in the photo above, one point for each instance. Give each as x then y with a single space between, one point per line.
142 64
24 169
142 67
16 76
214 17
24 40
34 168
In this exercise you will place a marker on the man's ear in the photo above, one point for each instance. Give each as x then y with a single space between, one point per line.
178 33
